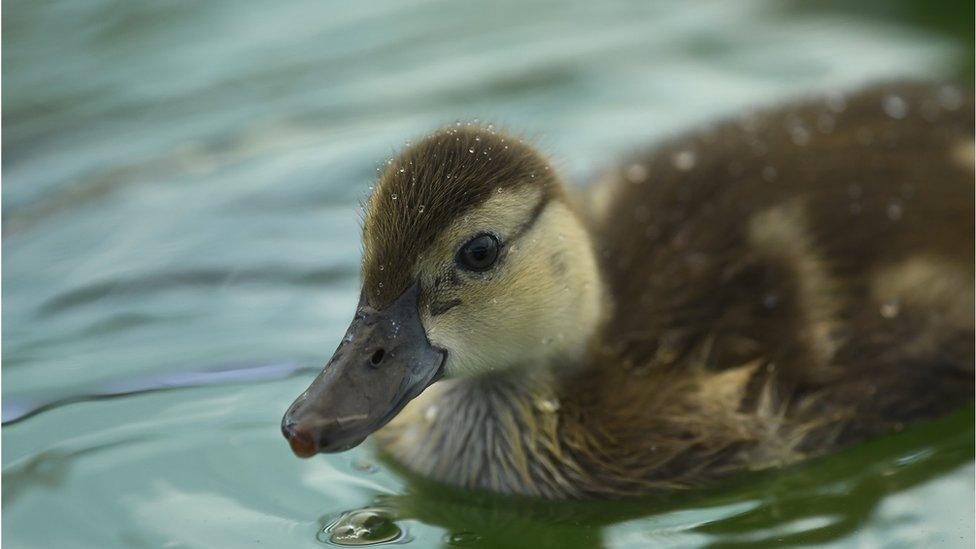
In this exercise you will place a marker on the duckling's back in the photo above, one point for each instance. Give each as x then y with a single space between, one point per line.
812 264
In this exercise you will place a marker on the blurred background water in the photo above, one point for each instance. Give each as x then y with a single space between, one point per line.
180 244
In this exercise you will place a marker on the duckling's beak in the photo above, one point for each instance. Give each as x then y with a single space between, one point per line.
382 363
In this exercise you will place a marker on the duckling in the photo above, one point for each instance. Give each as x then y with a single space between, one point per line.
741 297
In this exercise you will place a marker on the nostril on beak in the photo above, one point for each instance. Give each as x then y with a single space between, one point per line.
300 439
377 357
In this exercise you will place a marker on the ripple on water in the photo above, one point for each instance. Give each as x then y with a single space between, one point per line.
367 526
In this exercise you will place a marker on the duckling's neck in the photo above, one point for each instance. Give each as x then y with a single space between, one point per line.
497 432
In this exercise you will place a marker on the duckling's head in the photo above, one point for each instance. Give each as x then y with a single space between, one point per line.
474 263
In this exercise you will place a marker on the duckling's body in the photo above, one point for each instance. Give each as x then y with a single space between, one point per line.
772 288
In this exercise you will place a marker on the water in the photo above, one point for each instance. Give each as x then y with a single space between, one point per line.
181 184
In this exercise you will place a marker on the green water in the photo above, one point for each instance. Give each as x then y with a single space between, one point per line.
180 191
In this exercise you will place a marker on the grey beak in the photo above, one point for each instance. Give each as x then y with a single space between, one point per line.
382 363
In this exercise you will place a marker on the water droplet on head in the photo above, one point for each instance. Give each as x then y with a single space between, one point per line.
894 210
950 98
890 309
826 122
836 102
684 160
636 173
894 106
430 414
799 135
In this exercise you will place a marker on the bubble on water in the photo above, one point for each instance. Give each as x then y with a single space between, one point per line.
547 405
402 170
461 539
684 160
471 150
890 309
950 98
477 138
769 173
636 173
895 106
394 196
894 210
382 267
369 526
420 208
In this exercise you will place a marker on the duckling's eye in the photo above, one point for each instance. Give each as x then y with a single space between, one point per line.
479 254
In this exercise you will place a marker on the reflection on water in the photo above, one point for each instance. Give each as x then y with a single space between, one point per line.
16 409
181 187
820 502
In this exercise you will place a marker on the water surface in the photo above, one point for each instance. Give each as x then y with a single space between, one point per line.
181 184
